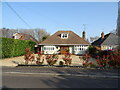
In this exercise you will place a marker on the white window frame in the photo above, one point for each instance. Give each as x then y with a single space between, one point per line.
48 48
64 35
79 48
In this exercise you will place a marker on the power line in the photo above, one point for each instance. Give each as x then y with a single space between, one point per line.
18 15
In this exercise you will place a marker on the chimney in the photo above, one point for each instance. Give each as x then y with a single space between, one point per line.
84 35
102 35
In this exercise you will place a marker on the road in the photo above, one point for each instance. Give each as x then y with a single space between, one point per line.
36 81
27 80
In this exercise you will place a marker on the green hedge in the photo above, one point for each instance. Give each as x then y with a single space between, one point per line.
14 47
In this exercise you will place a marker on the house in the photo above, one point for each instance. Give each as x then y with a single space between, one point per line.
23 36
107 42
63 42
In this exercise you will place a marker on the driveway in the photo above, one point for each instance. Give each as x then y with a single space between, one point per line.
14 61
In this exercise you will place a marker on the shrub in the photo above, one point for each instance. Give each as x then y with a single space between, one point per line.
114 59
39 58
92 65
102 61
28 56
86 60
51 59
92 50
61 63
109 60
14 47
67 58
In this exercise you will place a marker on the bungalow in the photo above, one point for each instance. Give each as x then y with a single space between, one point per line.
63 42
107 42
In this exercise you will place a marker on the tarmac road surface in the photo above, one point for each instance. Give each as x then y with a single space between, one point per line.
43 77
46 81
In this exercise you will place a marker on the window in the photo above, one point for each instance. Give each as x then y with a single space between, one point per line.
64 35
79 48
49 48
82 48
110 47
44 48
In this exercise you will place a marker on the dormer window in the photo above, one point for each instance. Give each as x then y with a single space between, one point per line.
64 35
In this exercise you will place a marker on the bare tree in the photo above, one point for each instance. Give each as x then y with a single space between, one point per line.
38 34
92 39
7 33
41 34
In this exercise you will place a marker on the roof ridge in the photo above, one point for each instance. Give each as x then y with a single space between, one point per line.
64 31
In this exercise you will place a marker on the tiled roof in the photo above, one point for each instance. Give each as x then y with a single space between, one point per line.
26 37
55 39
109 39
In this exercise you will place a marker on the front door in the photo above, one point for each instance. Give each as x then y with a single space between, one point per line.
64 49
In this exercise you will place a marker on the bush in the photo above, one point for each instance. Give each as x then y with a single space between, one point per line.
114 59
28 56
15 47
67 58
40 59
61 63
109 59
86 60
93 51
51 59
93 65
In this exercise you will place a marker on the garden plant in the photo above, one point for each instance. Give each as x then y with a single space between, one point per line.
86 60
67 58
51 59
28 56
40 59
111 60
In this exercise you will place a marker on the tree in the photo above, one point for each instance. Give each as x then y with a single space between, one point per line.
38 34
7 33
92 39
45 37
41 34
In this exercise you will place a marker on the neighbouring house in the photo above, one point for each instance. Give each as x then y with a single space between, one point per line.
23 36
107 42
63 42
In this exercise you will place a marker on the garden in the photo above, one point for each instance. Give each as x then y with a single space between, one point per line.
104 59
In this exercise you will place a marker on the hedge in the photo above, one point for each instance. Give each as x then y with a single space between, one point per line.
15 47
